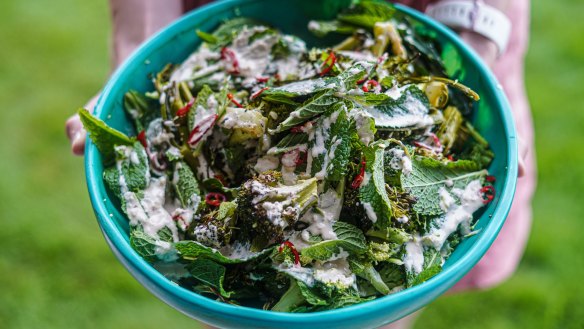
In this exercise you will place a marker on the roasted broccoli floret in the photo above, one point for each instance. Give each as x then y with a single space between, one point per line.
266 207
215 228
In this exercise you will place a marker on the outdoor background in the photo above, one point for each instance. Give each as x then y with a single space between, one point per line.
57 272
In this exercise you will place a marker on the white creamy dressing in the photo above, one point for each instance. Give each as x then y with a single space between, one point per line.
156 134
303 87
412 119
336 272
274 209
320 135
369 211
403 219
302 274
414 256
362 122
456 215
197 61
238 250
204 171
400 161
267 162
321 221
253 58
416 115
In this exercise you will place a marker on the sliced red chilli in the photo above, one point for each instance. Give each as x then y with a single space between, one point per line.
215 199
290 245
201 129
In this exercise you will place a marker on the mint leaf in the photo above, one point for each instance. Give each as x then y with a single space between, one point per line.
410 110
316 105
429 175
372 193
349 238
102 135
330 144
392 275
186 186
348 79
191 250
133 162
146 245
367 13
291 142
111 176
340 147
310 296
288 92
200 104
210 274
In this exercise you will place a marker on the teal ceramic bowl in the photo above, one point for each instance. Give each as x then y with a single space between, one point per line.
492 117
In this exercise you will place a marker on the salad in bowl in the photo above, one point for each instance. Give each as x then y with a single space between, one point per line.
271 174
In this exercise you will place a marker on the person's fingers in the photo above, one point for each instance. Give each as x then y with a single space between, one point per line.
76 134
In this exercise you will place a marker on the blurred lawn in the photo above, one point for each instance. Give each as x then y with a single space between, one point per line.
57 272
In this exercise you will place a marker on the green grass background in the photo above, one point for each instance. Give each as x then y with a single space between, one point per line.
57 272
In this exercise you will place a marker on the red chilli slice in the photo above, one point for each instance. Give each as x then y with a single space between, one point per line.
201 129
234 101
185 109
435 139
326 65
229 55
490 179
142 139
259 92
371 85
488 193
359 178
262 79
290 246
215 199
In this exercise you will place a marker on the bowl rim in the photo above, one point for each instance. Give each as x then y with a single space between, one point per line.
437 283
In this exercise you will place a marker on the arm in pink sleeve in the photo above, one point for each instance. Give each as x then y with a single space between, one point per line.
133 22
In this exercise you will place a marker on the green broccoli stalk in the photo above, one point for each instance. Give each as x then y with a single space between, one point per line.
291 299
266 207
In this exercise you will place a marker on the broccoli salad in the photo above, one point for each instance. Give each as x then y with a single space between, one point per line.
271 174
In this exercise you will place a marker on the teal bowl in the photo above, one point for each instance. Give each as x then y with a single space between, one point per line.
492 117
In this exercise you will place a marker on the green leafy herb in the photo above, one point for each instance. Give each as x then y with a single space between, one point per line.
429 175
102 135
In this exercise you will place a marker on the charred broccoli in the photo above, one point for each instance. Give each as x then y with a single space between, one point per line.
266 207
215 228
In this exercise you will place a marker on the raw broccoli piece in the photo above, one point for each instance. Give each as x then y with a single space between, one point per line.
266 207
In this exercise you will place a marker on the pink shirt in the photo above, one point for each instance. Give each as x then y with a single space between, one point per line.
135 20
